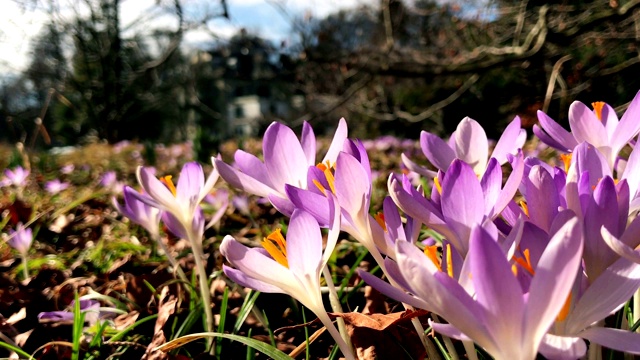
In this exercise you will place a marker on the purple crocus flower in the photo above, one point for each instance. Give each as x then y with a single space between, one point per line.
55 186
445 212
139 212
67 169
468 143
21 239
181 201
286 160
109 180
350 182
599 127
488 305
292 266
586 309
91 307
17 177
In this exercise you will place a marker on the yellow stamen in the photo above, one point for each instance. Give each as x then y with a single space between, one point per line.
525 208
565 309
167 181
276 246
432 254
597 108
449 262
514 269
380 220
436 182
566 159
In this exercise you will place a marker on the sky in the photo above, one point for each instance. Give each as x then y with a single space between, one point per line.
262 17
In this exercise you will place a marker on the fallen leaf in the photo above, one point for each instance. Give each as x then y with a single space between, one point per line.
165 309
384 336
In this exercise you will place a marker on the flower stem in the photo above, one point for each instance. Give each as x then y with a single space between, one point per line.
326 321
336 306
205 293
432 352
25 268
172 260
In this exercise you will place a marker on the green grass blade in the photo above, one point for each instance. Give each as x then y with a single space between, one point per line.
269 350
124 332
15 349
245 309
188 322
78 324
223 319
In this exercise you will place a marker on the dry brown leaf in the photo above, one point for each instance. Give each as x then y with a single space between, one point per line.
384 336
165 309
123 321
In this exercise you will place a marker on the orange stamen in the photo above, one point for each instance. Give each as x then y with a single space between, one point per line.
328 174
432 254
566 159
167 181
525 208
597 108
564 312
276 246
380 220
525 262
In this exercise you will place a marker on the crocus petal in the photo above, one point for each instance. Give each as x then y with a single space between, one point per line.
313 203
448 300
257 265
242 279
284 158
472 145
556 132
351 183
460 183
190 182
242 181
547 140
562 347
497 290
436 150
449 331
606 294
392 291
412 166
632 171
156 190
511 185
513 138
616 339
337 143
629 126
491 184
252 166
308 142
554 277
542 197
284 206
304 244
585 126
334 229
620 247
